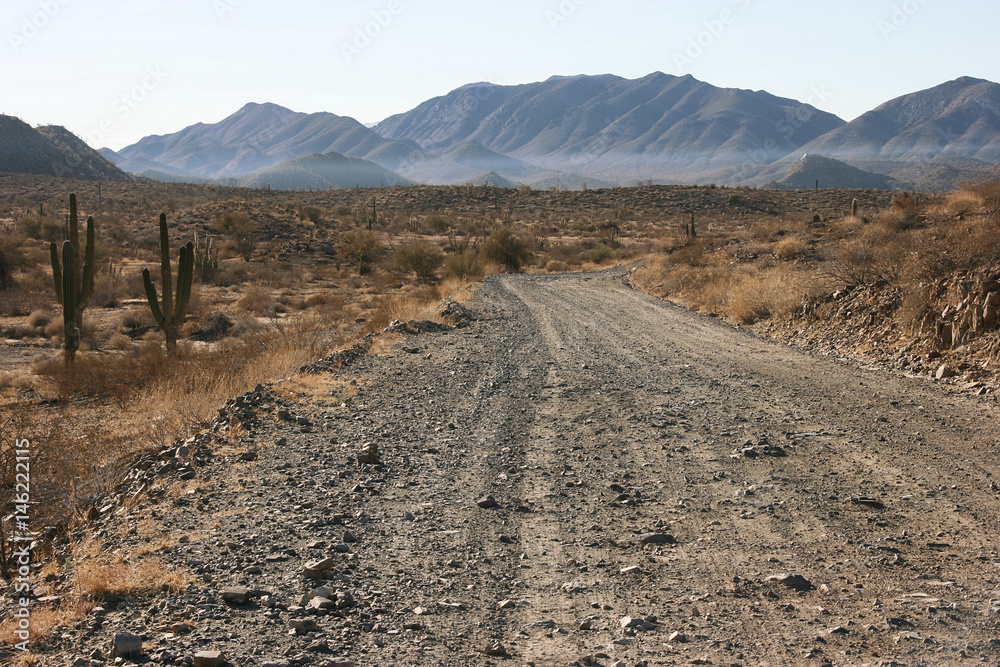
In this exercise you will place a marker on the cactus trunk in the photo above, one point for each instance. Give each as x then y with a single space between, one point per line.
73 283
170 315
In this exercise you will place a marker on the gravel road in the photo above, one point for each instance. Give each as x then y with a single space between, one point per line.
583 475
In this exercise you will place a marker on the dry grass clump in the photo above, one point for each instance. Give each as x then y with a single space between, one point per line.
93 576
556 266
963 203
791 248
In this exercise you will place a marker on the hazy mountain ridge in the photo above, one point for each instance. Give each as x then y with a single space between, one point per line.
51 150
660 126
957 119
576 131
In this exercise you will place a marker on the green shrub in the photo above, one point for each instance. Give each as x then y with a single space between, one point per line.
423 259
361 248
506 249
464 265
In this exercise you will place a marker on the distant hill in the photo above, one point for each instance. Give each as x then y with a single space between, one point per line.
947 174
957 119
319 172
810 169
52 150
257 137
674 129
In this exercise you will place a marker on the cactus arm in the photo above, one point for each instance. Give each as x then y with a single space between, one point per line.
56 271
74 224
150 288
87 284
185 275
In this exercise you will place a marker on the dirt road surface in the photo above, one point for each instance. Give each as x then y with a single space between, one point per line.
583 475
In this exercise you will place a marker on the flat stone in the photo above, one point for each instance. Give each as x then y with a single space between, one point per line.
236 594
794 581
656 538
487 502
208 659
125 645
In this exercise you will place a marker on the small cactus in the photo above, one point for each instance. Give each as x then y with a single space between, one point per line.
854 207
73 286
206 256
171 314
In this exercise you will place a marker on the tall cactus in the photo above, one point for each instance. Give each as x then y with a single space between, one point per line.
170 316
73 286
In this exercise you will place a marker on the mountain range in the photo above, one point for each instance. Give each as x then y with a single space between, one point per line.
589 131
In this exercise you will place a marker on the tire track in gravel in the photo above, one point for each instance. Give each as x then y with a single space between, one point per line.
592 414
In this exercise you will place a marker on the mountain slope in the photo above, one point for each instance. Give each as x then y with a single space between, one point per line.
957 119
51 150
809 170
259 136
660 126
323 171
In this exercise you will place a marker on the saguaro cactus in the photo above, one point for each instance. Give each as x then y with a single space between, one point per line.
73 286
171 314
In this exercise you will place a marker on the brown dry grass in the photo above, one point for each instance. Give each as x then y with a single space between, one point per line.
92 576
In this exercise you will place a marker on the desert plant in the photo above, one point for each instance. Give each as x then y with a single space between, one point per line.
170 315
242 230
464 265
504 248
361 248
11 258
423 259
73 287
206 257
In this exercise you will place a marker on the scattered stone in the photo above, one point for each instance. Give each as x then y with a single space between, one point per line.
794 581
678 637
126 645
236 594
315 569
249 456
495 650
302 625
635 623
944 371
369 454
573 587
208 659
631 569
656 538
350 537
487 502
868 502
506 604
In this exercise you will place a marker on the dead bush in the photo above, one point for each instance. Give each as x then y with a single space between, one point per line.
259 300
556 266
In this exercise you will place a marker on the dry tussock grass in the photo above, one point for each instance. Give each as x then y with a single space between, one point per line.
94 575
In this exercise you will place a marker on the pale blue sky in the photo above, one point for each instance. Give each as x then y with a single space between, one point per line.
114 71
